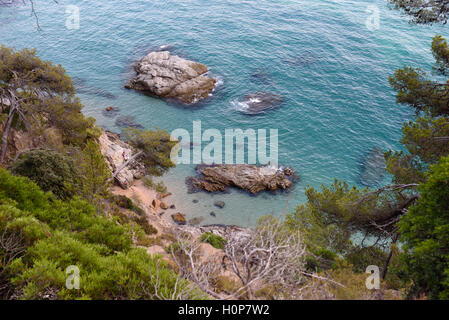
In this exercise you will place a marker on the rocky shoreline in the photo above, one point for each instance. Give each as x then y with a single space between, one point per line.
160 206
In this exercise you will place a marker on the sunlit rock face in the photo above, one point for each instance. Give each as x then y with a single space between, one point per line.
168 76
112 148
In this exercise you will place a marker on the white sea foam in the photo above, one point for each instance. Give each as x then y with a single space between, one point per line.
240 106
255 100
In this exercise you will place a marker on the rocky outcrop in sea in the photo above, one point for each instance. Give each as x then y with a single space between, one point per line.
257 103
251 178
169 76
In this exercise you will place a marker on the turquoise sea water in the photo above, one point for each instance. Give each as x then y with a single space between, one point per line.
320 55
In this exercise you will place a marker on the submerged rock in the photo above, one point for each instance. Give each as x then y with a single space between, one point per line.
168 76
373 168
305 59
83 88
256 103
165 47
196 221
219 204
127 121
252 178
110 111
261 76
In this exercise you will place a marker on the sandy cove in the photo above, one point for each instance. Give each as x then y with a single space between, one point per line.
152 202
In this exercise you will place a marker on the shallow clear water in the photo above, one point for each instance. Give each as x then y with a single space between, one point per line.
318 54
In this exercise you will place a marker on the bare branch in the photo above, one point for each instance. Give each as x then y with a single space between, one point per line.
268 257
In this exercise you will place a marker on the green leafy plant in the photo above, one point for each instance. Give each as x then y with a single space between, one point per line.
214 240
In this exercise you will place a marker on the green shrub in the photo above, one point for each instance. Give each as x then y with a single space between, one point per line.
146 226
120 276
50 170
214 240
126 203
363 257
52 234
158 186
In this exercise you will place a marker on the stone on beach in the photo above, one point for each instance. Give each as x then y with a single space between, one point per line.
179 218
163 206
165 195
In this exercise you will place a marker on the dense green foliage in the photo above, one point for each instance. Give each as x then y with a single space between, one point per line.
126 203
93 173
424 229
50 170
42 236
56 172
334 221
36 95
425 233
155 148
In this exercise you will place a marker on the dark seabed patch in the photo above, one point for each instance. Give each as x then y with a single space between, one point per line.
127 121
304 59
83 88
373 168
110 112
261 76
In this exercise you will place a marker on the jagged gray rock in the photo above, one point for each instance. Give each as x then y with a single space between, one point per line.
252 178
167 76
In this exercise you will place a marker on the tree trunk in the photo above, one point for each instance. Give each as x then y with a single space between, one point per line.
395 239
6 129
